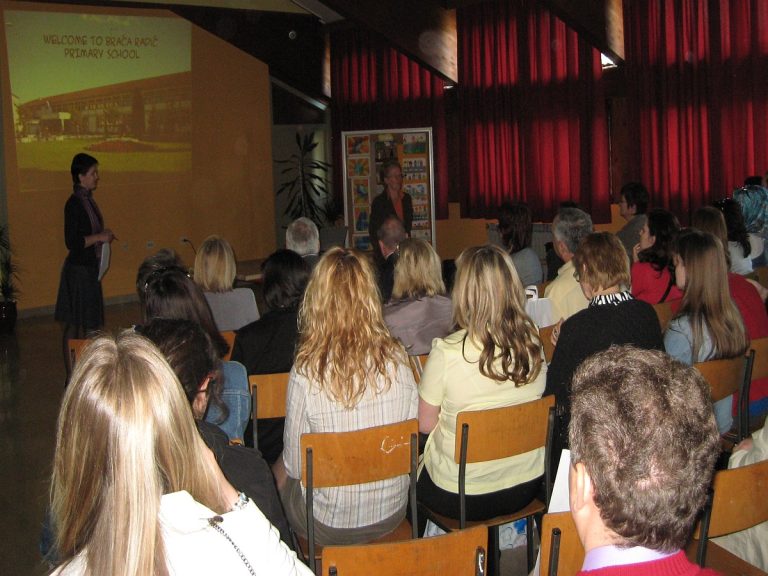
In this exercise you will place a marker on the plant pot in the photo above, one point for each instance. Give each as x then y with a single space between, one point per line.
7 316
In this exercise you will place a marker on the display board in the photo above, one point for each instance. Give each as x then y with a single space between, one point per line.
365 151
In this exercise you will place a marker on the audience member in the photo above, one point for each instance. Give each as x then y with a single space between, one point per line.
349 374
643 448
633 204
653 275
419 311
191 355
707 325
516 228
135 490
215 271
739 247
303 237
171 293
745 294
754 207
612 317
268 345
494 360
390 234
570 226
750 544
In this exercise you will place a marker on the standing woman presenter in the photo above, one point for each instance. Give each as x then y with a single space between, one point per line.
79 305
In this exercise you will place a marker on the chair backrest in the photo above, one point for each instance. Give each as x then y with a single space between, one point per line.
664 312
459 553
546 342
760 364
269 394
502 432
728 376
229 336
417 365
562 553
76 346
358 457
738 502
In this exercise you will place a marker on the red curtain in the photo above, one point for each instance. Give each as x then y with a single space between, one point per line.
532 112
698 77
375 87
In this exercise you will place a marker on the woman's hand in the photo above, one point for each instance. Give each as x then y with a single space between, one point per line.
556 332
635 252
745 444
106 236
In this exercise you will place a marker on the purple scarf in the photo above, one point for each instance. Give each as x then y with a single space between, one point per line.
94 215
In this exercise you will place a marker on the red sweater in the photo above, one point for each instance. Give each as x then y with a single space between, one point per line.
676 565
649 285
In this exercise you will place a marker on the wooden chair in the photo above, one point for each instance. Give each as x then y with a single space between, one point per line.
459 553
562 553
417 365
546 342
357 457
268 397
664 312
484 435
729 376
762 275
76 346
229 336
738 502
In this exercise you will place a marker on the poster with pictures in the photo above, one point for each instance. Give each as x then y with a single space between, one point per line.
365 152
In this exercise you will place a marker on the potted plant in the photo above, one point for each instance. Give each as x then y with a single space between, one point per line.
8 288
306 183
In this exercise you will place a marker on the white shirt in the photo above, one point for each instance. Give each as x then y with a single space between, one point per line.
193 547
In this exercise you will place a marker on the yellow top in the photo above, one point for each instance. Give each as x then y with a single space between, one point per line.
565 294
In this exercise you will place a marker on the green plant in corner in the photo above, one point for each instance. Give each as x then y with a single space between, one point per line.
8 270
306 183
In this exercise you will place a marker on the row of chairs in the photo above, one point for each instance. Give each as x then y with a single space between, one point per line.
339 459
737 502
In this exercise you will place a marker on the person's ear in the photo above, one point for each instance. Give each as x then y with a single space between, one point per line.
204 385
581 488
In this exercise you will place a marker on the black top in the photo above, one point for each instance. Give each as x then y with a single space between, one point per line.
77 225
248 472
268 346
382 208
592 330
387 277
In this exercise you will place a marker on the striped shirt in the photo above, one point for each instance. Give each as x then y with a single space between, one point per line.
311 410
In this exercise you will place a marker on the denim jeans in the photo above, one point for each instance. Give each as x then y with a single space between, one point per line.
236 395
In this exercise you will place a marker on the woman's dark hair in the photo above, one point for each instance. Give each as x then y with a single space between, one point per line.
81 163
664 226
734 222
191 354
515 226
285 277
171 293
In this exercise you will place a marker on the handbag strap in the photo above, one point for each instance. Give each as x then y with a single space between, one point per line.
669 287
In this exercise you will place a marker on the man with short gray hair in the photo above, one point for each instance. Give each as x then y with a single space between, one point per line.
569 228
303 238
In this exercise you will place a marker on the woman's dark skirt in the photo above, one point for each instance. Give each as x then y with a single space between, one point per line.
80 301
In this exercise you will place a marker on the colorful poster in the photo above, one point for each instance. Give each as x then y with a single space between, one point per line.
358 145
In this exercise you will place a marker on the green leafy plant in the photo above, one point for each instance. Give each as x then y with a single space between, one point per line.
8 270
306 185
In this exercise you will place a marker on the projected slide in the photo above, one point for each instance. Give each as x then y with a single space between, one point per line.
118 87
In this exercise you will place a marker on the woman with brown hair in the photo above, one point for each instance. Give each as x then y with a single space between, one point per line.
493 360
652 270
707 325
613 316
349 374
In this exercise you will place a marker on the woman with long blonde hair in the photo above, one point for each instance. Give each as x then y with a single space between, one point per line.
494 360
135 491
349 374
419 311
707 325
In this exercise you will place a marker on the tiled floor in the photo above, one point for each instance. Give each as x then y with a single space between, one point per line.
31 387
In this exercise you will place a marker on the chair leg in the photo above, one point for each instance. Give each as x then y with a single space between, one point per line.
494 551
529 542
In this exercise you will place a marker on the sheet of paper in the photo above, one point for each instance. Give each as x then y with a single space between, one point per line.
106 254
559 502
